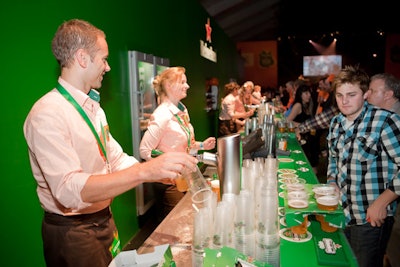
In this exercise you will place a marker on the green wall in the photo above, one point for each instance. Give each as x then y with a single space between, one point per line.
168 29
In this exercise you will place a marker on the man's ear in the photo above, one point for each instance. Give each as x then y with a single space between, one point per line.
388 94
82 57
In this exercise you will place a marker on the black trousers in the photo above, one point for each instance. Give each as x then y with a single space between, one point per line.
78 241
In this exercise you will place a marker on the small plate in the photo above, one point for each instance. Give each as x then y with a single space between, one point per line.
301 180
300 162
287 171
287 175
287 234
289 180
297 151
285 160
281 211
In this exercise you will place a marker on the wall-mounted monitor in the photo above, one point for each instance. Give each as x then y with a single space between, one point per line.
321 65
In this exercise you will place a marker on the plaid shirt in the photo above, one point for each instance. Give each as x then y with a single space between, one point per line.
365 159
319 121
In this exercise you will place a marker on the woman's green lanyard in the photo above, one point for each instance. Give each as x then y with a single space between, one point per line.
186 129
70 99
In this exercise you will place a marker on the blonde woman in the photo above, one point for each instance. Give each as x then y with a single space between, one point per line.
170 129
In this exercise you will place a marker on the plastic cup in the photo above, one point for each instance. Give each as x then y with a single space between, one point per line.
196 181
323 190
328 202
295 187
202 199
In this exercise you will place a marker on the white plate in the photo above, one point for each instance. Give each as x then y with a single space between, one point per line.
287 175
287 171
286 234
281 211
286 160
301 180
289 180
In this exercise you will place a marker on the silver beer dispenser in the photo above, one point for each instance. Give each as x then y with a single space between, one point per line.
229 159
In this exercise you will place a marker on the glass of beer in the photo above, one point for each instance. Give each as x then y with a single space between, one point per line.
328 202
181 184
291 127
282 126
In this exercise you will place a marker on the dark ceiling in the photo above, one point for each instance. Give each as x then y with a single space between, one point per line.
360 28
256 20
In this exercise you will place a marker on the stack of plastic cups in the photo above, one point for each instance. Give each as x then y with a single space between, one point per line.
247 177
271 171
223 225
267 233
204 202
244 226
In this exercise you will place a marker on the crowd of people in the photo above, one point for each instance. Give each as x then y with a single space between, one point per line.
79 167
353 120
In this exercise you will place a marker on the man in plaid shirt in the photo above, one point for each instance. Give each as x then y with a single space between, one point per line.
364 163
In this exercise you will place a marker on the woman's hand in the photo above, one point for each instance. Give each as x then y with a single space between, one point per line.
209 143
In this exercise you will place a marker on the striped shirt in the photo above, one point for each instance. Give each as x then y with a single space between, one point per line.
364 158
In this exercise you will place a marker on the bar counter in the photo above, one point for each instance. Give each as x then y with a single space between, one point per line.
177 227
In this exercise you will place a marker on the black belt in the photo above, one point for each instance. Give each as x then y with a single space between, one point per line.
92 218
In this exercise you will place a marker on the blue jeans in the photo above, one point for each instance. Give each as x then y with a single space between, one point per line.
369 243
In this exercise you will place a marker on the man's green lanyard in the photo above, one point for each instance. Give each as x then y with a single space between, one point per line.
70 99
115 247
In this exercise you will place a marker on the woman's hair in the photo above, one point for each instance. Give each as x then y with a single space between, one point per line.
230 87
170 75
353 75
73 35
307 108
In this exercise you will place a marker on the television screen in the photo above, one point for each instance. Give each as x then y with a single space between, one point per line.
321 65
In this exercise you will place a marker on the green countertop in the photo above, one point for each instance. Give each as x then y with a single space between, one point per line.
310 251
